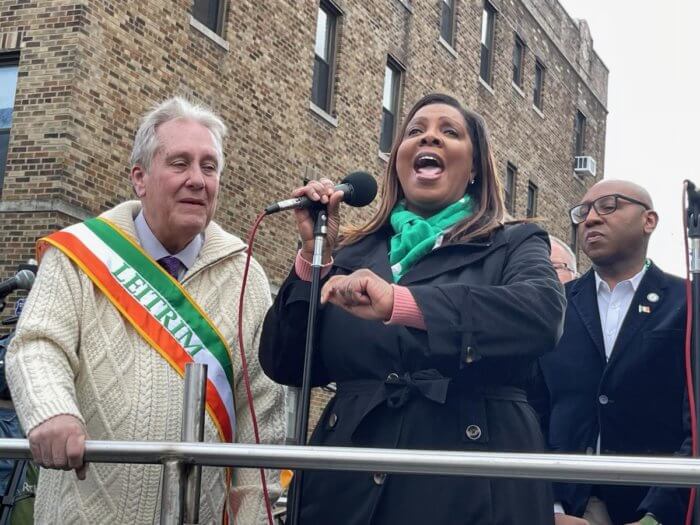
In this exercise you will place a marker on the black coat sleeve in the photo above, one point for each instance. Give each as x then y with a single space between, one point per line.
539 398
283 338
522 316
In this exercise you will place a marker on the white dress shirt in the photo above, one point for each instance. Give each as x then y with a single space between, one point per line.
613 305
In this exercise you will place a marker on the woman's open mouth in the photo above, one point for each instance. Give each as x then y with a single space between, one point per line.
428 166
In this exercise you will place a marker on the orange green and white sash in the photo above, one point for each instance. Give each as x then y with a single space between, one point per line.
156 305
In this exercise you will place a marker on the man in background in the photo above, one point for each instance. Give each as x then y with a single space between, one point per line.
616 381
563 260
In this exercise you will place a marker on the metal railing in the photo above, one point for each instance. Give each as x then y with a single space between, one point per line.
182 461
615 470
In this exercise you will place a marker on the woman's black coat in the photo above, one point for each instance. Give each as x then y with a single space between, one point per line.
490 309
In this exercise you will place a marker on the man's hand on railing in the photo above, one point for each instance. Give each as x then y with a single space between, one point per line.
564 519
59 443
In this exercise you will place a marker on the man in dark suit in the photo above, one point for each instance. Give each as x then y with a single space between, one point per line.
616 382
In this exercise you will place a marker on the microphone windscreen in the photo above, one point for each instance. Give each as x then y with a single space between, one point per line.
25 279
364 188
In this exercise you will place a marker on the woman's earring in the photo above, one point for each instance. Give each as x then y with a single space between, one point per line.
473 181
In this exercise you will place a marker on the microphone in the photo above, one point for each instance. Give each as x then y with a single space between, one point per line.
359 189
23 280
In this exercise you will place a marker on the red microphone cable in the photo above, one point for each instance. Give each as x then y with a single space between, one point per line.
365 189
688 353
244 361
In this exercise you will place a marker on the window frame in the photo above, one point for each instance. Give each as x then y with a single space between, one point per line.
538 89
220 16
518 68
509 187
333 13
451 7
8 59
580 133
396 92
532 194
486 57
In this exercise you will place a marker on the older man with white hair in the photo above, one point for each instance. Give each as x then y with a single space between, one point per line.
120 304
563 259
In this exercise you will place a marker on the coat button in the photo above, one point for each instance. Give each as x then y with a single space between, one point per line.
473 432
470 355
603 399
392 378
589 451
379 478
332 420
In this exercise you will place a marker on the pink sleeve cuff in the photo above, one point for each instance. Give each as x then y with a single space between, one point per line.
302 267
406 311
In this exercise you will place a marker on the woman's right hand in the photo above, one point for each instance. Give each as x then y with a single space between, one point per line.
319 191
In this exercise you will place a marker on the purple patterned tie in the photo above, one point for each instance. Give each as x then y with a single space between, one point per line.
171 264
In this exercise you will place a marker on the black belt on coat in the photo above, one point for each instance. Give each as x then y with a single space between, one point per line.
397 389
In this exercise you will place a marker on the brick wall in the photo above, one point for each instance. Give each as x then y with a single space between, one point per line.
89 69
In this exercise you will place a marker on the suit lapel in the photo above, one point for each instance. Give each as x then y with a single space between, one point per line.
653 285
585 300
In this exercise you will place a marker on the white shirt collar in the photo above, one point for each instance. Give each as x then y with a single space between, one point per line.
601 285
154 248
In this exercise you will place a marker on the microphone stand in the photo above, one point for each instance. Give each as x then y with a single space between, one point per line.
302 413
693 215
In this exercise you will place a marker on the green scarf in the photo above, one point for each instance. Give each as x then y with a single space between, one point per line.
416 236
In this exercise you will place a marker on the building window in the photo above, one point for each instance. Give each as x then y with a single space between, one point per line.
539 85
324 58
447 21
390 104
531 199
488 21
579 134
211 13
518 58
9 65
510 188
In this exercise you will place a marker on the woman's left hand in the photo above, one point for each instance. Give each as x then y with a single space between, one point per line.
362 293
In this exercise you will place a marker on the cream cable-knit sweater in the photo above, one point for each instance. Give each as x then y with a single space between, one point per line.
73 353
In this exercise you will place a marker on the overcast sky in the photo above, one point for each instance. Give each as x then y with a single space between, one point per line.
652 50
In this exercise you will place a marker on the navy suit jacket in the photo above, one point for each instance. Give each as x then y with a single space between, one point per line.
637 400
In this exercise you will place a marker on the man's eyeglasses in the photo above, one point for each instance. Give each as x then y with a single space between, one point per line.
604 205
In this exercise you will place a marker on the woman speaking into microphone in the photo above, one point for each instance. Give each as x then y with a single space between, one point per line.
433 312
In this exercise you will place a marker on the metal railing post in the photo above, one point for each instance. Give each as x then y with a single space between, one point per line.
172 491
193 431
181 481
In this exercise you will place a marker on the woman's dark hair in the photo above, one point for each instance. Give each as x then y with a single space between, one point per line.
486 192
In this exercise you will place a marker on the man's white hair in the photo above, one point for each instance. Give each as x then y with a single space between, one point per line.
146 141
567 249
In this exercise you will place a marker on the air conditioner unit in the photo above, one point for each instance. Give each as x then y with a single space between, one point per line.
584 165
